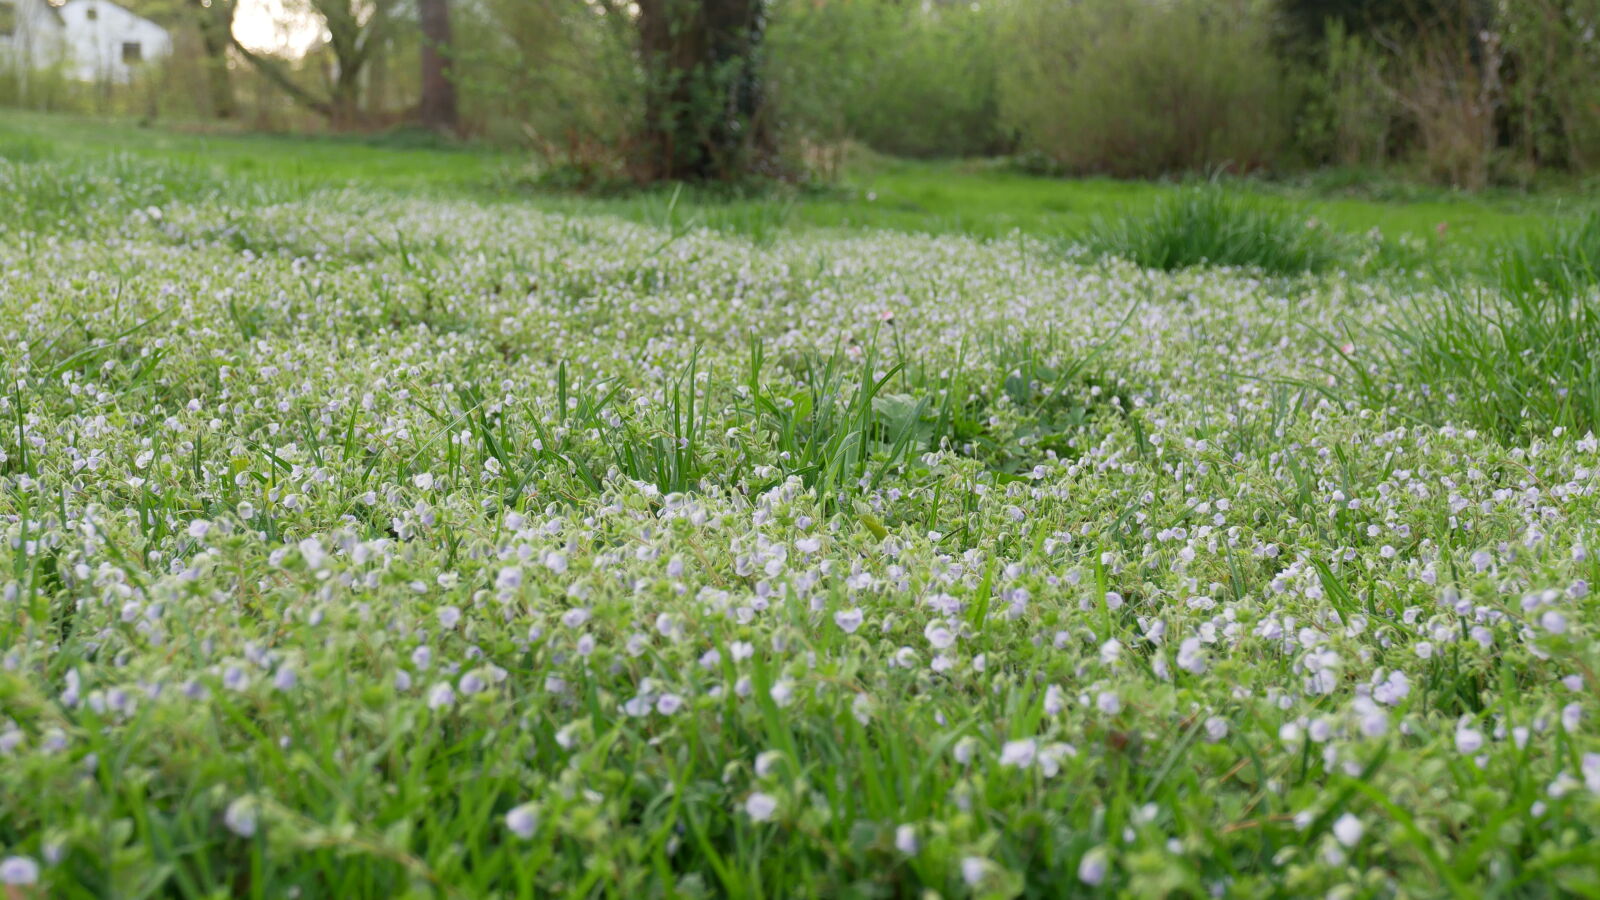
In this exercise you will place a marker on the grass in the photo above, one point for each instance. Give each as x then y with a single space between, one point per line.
1516 357
395 537
1453 230
1561 261
1207 226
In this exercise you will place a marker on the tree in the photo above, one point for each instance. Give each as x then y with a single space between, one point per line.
214 20
438 107
355 28
704 98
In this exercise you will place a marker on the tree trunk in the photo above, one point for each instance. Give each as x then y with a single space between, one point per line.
215 23
703 92
438 108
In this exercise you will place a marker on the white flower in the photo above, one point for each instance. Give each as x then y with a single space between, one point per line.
1109 703
1093 867
522 821
848 620
1591 771
766 761
1191 656
760 807
938 635
1018 754
1055 700
973 869
18 870
1216 729
1468 740
509 578
240 817
423 481
1571 717
311 551
441 696
1553 622
1052 755
1348 830
905 840
783 692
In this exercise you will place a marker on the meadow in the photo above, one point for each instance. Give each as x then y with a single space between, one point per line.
378 526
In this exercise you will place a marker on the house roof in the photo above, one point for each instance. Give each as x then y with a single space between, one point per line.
130 12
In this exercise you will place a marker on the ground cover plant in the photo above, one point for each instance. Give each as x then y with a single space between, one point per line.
390 542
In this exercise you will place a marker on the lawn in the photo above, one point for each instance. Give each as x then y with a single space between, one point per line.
375 528
981 199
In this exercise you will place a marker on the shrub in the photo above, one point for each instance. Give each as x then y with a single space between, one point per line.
901 78
1555 102
555 76
1140 87
1350 114
1205 226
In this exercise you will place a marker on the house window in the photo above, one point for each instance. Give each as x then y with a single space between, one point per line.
8 18
132 52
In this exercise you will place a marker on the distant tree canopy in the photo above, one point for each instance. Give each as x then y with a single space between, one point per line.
1310 18
1465 92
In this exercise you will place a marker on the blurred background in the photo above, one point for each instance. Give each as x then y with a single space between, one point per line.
1459 93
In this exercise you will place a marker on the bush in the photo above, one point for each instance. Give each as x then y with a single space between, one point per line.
554 76
1555 100
1350 115
1144 87
1205 226
902 78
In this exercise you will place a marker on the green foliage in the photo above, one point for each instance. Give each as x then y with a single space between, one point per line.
903 78
1517 357
1513 365
552 76
1349 118
1123 87
1554 100
364 534
1562 260
1208 226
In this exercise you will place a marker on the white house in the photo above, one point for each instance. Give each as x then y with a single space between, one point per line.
32 34
107 43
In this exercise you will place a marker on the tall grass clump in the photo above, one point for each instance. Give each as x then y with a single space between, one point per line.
1517 357
1513 364
1206 226
1563 260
